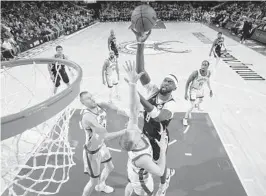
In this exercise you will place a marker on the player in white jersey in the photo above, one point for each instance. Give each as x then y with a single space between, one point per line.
195 84
95 151
110 75
140 166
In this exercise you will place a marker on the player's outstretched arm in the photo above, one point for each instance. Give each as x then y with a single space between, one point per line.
103 72
90 122
209 85
141 38
190 79
109 106
133 78
157 115
147 162
114 135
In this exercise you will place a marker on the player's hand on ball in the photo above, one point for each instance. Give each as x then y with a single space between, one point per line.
130 69
141 37
163 143
211 93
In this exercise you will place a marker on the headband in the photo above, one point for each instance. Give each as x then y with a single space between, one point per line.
171 76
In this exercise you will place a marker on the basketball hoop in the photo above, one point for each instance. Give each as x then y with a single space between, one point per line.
36 153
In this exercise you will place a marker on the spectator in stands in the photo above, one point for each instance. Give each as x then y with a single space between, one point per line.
27 21
246 31
7 48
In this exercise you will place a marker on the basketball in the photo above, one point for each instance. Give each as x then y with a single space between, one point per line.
143 18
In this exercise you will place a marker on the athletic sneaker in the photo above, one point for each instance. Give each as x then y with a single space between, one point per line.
163 187
185 123
104 188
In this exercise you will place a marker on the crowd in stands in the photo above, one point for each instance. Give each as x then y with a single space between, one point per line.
29 23
166 11
25 22
240 17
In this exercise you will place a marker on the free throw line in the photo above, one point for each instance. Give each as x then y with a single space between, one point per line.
113 149
172 142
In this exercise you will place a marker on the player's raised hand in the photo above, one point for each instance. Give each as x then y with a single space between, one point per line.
130 69
163 143
141 37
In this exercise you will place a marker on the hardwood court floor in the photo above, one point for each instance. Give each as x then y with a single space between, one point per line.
227 143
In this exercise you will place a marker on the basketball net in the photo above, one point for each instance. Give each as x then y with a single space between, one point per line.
38 160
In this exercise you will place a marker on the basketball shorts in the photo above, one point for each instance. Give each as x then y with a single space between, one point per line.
58 74
155 148
115 50
217 53
92 160
141 182
196 94
111 79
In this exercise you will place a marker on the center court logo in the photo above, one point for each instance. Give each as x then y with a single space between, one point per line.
155 47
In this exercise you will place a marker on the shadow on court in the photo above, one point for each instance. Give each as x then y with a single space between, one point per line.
201 163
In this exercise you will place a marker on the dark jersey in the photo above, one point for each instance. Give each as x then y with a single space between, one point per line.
59 66
151 127
219 43
114 47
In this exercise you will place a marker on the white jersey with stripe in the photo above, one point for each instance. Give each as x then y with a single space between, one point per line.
136 173
200 80
100 116
111 65
95 139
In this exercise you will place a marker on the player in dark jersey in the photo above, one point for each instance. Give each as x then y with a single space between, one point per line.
158 108
141 168
58 71
114 47
110 38
216 49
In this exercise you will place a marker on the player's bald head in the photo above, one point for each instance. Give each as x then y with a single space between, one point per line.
87 99
82 94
